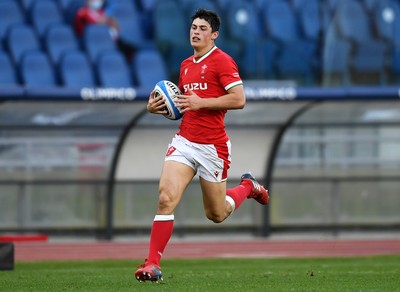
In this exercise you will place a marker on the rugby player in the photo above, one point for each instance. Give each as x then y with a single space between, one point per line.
211 85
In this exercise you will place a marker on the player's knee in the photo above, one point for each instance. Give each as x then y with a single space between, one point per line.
215 217
165 199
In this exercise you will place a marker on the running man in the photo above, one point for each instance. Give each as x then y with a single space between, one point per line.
211 85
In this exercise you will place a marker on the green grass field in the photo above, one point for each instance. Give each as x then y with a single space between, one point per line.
338 274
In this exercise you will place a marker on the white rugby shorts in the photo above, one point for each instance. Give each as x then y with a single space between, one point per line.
210 161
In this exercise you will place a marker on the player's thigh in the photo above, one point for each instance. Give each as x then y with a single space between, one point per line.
214 196
175 177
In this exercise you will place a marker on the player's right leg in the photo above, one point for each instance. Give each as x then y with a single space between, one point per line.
175 177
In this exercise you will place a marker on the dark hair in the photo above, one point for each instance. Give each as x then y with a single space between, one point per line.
208 15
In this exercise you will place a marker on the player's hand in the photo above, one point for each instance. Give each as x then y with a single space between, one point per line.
189 102
156 104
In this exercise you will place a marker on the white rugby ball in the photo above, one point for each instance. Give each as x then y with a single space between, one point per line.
168 90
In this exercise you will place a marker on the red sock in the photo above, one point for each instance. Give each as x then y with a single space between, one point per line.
239 193
161 232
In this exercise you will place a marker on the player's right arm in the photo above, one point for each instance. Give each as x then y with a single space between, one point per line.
155 104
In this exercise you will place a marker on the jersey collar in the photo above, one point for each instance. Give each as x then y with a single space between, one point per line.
205 55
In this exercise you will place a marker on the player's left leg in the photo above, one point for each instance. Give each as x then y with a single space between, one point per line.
216 205
220 202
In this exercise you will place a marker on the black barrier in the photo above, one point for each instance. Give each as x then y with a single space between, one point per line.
6 256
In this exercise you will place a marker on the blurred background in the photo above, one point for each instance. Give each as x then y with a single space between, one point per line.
69 166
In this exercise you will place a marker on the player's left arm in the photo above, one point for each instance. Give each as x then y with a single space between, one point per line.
234 99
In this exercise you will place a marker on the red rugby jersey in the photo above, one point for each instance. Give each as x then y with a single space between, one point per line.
211 75
86 16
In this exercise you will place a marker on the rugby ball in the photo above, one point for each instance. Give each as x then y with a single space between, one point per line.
168 90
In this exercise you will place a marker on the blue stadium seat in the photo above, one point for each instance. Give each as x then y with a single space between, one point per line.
281 24
260 4
297 4
332 5
354 25
97 39
294 63
270 49
310 19
280 21
223 4
386 18
44 13
20 39
370 4
260 63
35 69
169 17
129 20
7 71
75 70
243 21
130 5
70 8
326 16
27 4
113 71
244 28
64 4
190 6
353 22
336 57
10 14
149 67
396 65
369 59
147 5
147 11
59 38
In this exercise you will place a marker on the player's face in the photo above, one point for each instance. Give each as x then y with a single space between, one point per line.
201 35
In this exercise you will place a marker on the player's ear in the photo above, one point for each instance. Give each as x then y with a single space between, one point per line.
214 35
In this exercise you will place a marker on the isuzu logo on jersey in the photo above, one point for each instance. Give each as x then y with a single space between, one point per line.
195 86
